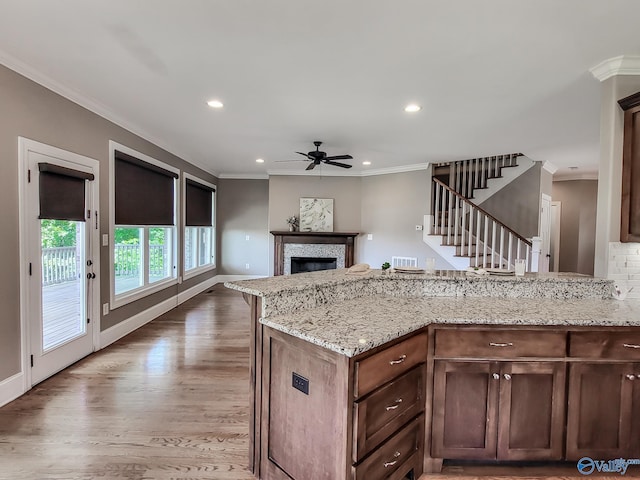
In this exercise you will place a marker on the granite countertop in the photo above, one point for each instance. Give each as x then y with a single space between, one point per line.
354 326
351 314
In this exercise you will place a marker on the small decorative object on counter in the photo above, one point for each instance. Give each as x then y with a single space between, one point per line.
293 223
385 268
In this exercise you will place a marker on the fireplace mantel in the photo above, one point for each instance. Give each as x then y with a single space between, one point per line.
332 238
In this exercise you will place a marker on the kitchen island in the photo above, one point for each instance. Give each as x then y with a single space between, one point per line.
382 376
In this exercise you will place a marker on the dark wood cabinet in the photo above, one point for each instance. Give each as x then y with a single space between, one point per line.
630 217
604 406
498 410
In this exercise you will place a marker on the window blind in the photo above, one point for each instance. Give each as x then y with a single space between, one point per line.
144 193
62 192
198 206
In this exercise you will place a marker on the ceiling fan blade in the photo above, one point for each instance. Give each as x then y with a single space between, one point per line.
340 157
338 164
311 166
304 154
297 160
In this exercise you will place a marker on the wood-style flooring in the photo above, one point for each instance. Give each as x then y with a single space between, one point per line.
168 402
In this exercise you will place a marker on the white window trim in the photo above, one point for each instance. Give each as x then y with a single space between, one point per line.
193 272
144 291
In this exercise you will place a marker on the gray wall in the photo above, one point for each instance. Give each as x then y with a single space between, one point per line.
517 204
32 111
243 209
392 206
577 224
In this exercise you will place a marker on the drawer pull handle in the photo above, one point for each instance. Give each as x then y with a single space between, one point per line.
393 407
496 376
507 376
507 344
391 464
630 345
399 360
630 377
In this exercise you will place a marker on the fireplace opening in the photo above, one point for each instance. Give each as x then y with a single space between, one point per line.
312 264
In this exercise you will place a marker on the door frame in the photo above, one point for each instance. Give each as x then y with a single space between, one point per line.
544 249
25 146
556 223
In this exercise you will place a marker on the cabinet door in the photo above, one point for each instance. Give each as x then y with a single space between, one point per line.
465 396
601 398
531 411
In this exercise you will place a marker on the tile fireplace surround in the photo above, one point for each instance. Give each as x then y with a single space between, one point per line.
339 245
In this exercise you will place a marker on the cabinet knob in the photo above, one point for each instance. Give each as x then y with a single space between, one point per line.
391 464
399 360
631 377
496 376
507 376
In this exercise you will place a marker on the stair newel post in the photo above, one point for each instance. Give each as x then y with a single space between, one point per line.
478 237
449 216
527 260
463 229
518 257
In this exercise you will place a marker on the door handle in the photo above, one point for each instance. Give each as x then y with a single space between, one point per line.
91 276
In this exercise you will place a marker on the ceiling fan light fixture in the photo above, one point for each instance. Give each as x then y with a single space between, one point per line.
412 108
215 104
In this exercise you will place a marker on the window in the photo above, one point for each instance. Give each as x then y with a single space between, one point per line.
199 231
143 221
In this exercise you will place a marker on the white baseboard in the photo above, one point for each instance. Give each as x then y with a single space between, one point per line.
110 335
11 388
193 291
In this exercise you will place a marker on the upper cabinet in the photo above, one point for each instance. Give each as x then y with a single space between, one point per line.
630 221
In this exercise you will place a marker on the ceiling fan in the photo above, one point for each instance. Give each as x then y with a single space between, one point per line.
317 157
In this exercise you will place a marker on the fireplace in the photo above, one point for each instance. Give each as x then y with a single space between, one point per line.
312 264
322 247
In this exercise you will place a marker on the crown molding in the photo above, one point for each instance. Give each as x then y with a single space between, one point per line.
550 167
92 105
244 176
567 176
337 173
621 65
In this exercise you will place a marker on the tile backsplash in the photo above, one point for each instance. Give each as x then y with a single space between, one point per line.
624 266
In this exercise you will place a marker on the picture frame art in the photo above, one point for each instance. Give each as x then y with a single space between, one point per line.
316 214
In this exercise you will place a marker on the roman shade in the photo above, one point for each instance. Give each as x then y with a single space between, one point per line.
144 193
62 192
198 206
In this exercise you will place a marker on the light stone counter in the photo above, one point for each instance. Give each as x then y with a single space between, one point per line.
351 314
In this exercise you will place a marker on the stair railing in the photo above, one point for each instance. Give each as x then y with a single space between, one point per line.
468 175
475 232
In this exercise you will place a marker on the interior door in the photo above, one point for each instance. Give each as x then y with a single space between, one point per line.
545 232
61 239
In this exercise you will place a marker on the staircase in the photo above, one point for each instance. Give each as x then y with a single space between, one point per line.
463 232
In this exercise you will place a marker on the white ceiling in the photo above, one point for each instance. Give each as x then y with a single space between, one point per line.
492 76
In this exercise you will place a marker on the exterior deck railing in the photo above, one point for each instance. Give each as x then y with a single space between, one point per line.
61 264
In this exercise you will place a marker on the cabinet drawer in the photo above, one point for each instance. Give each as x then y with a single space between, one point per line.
383 412
378 369
395 455
610 345
497 343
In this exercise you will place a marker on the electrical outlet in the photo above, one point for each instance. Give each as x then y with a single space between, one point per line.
300 383
105 239
246 265
419 228
247 237
105 309
369 236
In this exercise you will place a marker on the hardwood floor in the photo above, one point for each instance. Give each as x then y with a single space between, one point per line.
168 402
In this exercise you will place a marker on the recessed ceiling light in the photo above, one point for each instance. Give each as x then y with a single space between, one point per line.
259 160
366 162
412 108
215 104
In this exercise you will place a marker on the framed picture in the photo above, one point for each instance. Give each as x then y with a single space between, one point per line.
316 214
